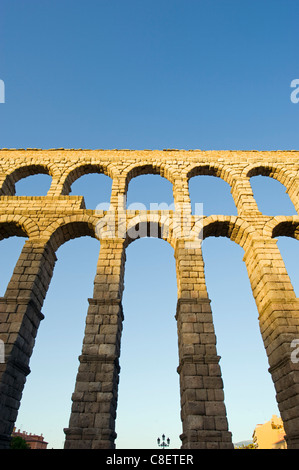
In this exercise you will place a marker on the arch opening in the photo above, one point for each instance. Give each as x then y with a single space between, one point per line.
149 382
213 192
140 228
239 341
46 401
81 171
70 230
270 195
286 229
150 192
95 187
33 185
287 235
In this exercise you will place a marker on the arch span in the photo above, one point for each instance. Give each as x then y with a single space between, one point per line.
280 172
76 171
67 228
233 227
23 171
148 169
16 225
282 226
276 171
211 169
144 225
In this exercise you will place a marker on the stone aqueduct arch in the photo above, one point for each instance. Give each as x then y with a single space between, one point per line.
50 221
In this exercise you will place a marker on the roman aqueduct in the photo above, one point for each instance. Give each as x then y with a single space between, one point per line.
48 222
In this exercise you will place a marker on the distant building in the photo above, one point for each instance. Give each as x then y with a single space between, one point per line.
35 441
270 435
281 443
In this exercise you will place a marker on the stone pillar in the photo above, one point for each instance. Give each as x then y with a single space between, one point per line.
203 411
243 196
118 194
181 196
292 188
278 310
92 421
61 184
57 187
20 313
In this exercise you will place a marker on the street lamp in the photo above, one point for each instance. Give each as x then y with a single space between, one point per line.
163 443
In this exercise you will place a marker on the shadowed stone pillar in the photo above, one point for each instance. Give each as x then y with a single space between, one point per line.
92 421
278 310
20 313
7 187
203 411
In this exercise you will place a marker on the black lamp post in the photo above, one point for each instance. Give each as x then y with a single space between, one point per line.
163 443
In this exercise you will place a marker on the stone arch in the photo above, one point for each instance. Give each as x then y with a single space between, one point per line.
288 229
232 227
282 226
148 169
60 231
23 171
218 171
154 292
279 173
81 169
229 300
17 226
211 169
69 228
147 225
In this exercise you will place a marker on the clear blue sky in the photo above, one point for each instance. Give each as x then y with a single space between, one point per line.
148 74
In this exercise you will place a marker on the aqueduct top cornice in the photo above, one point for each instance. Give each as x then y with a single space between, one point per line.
166 162
289 156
